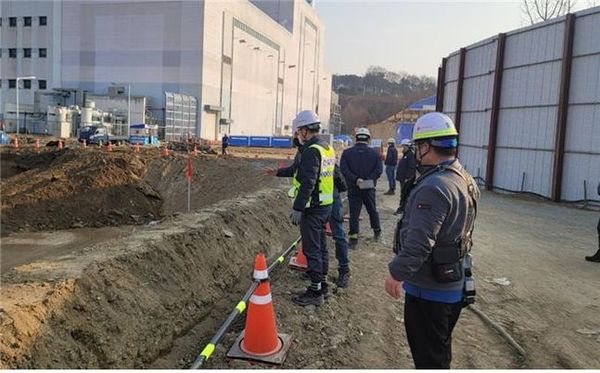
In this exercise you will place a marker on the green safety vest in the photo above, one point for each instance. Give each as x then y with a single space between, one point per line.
325 182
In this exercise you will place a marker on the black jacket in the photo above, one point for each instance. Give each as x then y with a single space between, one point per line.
391 158
360 162
407 167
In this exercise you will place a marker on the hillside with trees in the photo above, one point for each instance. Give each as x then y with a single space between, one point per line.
378 94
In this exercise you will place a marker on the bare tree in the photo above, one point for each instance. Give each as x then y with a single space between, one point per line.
543 10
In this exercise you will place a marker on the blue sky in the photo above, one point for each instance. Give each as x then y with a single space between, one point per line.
411 36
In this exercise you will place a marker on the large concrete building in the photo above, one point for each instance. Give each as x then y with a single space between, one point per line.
250 65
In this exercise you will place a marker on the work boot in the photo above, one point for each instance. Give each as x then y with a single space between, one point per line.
594 258
377 235
343 280
389 193
309 298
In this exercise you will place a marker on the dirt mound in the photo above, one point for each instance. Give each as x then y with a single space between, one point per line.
89 188
123 304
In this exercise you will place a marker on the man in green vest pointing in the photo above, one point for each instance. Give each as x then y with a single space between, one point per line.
312 191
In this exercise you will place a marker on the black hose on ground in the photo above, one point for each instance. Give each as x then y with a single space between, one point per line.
499 329
238 310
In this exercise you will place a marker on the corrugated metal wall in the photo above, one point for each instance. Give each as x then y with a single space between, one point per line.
526 145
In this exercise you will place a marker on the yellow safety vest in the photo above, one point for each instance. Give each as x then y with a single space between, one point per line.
325 182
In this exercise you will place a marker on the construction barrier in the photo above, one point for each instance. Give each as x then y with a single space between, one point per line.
238 310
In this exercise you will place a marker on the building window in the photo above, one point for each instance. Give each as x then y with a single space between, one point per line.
12 52
41 84
12 21
43 21
26 21
12 83
43 52
26 52
27 83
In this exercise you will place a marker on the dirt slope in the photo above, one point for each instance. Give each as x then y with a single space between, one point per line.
77 188
122 303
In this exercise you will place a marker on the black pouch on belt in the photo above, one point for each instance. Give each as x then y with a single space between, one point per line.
446 265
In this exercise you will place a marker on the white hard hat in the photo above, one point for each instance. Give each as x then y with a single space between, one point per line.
405 142
391 140
306 118
362 132
433 125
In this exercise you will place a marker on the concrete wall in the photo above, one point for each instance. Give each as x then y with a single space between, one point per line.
528 111
258 71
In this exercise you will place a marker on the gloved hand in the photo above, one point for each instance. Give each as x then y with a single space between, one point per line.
296 217
359 181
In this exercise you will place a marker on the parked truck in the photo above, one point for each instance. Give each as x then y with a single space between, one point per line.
99 134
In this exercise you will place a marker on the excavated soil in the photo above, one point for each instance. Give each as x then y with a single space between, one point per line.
153 296
121 304
76 188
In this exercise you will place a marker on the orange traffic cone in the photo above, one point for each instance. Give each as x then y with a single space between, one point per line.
165 152
60 145
137 147
298 261
37 144
328 230
16 143
110 147
260 340
195 152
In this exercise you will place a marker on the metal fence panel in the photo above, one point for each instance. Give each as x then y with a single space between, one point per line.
180 116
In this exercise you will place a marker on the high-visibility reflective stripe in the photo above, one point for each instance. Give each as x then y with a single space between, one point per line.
325 197
430 134
241 306
208 350
261 299
280 259
261 274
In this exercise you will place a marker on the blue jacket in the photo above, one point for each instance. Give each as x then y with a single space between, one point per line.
360 162
391 158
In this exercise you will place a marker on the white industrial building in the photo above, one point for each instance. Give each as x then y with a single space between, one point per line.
236 66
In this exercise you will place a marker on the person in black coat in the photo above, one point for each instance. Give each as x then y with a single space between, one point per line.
361 166
405 173
391 161
596 257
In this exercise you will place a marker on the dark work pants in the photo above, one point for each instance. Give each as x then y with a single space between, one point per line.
312 230
356 199
429 328
390 172
336 222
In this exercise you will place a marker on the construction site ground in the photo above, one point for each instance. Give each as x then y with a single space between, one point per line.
103 267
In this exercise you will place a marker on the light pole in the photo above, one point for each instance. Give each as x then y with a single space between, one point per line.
128 111
21 78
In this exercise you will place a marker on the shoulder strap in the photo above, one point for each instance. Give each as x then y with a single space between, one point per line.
467 235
